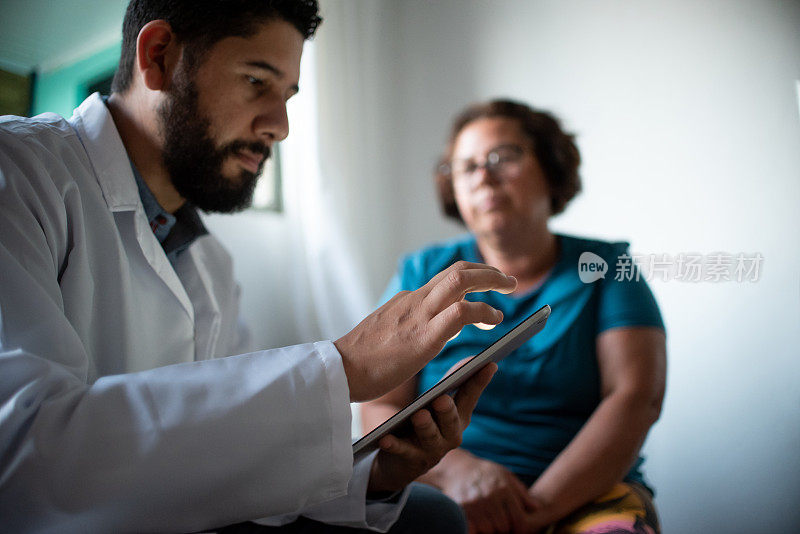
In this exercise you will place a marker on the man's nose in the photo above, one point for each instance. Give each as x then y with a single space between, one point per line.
272 123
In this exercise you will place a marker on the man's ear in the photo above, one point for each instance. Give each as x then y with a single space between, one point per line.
157 54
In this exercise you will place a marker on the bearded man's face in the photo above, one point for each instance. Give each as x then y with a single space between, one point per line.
195 160
224 111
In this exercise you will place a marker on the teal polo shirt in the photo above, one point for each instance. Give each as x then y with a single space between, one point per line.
546 390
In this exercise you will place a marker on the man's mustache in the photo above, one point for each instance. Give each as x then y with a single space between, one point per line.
253 146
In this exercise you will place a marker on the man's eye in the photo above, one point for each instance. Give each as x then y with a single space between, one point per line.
252 80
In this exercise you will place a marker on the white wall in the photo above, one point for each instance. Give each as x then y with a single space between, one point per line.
687 117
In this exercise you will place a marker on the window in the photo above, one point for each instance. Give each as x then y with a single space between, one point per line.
268 195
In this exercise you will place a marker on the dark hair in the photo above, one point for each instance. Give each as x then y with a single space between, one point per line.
201 23
555 150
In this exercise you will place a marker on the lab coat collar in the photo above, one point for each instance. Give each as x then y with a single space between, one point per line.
95 127
98 133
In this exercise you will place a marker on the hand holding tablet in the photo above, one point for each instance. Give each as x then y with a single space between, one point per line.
399 422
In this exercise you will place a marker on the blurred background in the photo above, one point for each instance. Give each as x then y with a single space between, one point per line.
687 114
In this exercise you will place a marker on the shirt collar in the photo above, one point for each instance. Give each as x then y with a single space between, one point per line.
175 231
161 221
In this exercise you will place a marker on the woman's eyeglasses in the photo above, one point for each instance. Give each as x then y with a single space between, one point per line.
502 163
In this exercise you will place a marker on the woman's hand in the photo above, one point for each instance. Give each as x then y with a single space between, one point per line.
493 498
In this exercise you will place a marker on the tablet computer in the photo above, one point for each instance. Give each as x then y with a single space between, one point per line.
399 423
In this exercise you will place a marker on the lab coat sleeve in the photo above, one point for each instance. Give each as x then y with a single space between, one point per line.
183 447
352 510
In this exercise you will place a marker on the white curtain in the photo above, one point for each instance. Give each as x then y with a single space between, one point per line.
331 294
331 163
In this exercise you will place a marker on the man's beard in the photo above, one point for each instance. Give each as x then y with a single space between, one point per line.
193 160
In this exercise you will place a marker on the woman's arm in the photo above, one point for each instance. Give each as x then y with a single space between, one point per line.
633 374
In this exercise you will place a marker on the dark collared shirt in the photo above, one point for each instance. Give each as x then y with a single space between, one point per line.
175 231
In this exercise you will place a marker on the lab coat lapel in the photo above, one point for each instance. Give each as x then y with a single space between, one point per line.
191 266
95 127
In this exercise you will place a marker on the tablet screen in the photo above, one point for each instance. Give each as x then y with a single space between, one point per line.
399 425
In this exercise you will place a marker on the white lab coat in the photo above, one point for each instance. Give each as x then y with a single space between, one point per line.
117 413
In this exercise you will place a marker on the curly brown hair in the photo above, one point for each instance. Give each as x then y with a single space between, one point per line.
555 150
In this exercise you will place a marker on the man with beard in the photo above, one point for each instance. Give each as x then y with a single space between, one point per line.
121 407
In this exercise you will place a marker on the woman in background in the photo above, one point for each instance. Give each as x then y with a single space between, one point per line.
554 441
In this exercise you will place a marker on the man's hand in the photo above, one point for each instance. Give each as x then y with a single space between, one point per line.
392 344
402 460
493 498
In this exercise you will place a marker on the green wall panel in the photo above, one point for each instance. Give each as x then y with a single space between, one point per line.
63 89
